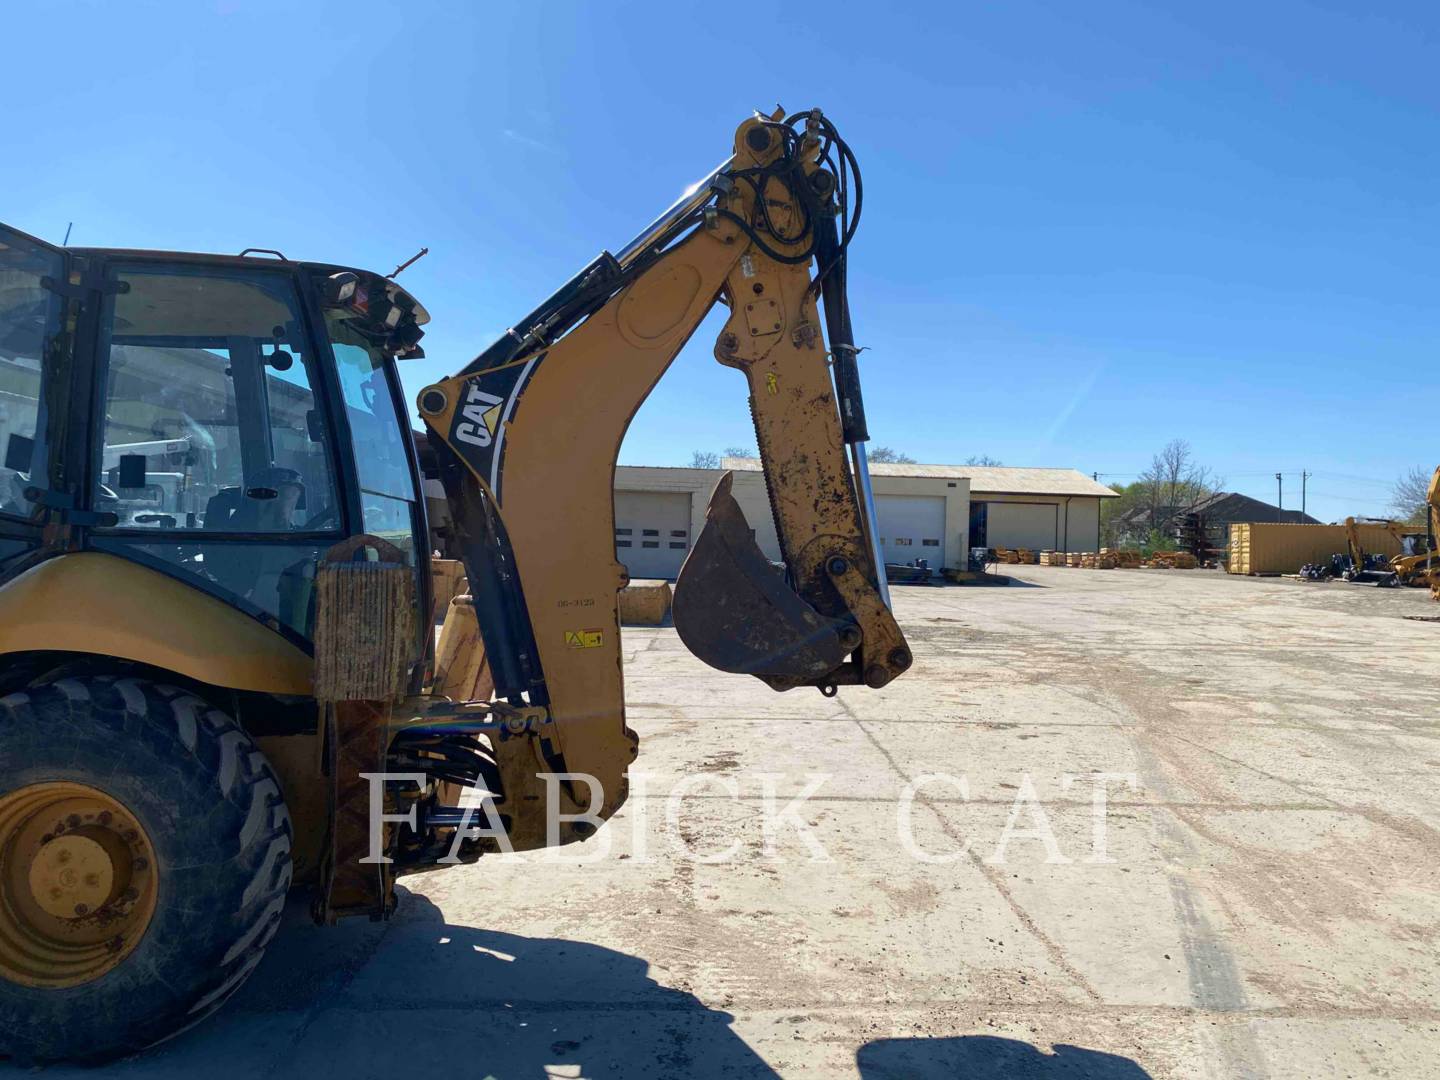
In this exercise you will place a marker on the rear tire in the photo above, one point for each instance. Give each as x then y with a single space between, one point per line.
207 801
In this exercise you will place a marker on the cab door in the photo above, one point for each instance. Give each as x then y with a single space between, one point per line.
35 352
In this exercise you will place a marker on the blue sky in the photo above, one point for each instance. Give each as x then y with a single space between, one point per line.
1088 229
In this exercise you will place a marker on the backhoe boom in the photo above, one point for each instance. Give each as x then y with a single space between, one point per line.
527 437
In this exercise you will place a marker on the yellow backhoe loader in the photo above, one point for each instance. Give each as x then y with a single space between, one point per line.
218 670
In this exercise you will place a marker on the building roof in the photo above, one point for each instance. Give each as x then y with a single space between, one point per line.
984 479
1232 506
1221 508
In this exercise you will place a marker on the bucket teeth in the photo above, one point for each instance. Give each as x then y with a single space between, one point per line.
734 610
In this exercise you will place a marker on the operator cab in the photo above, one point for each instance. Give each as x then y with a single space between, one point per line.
222 419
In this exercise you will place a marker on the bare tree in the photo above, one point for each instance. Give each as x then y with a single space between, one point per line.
1173 481
704 459
983 459
739 451
1407 497
886 456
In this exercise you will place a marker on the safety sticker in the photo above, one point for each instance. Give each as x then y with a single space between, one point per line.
584 639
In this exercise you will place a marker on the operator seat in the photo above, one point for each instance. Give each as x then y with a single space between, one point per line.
221 508
252 569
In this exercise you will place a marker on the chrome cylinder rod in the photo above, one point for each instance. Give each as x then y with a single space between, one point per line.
872 524
695 196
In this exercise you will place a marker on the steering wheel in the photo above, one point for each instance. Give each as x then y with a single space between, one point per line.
326 514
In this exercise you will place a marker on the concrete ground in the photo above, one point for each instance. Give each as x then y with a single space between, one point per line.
1268 902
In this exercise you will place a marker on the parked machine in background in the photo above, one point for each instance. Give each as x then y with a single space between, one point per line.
215 622
1418 564
1365 568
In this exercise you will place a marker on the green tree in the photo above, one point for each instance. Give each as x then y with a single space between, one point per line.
1157 541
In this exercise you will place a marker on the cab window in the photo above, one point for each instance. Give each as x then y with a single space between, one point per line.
382 466
211 422
29 321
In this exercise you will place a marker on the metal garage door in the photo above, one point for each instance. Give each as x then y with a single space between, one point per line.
1017 525
652 532
912 527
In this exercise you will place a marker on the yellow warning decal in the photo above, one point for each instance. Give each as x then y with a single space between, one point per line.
584 639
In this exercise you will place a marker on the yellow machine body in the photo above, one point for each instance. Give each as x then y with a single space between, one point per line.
90 602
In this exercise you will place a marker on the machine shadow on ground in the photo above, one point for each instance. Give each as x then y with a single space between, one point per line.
987 1057
992 581
418 996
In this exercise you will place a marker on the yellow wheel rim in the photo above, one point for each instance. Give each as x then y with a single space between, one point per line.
78 884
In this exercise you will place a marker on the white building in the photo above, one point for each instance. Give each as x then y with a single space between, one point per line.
932 512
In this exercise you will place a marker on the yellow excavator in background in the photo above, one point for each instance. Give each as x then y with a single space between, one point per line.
218 671
1418 563
1362 567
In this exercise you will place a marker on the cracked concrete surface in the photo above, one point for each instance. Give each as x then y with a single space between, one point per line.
1270 907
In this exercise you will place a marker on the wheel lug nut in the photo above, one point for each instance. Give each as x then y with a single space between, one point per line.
140 864
105 817
73 821
82 909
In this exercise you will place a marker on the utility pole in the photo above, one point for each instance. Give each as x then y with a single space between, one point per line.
1304 476
1280 490
1095 476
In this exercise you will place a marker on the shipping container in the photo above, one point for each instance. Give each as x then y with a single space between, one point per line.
1273 548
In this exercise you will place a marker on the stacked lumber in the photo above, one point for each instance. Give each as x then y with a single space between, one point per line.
1091 560
1126 558
1072 558
1174 560
1052 558
1014 555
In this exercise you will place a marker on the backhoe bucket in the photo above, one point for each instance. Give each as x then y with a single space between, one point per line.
734 610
